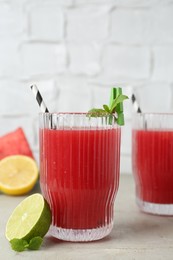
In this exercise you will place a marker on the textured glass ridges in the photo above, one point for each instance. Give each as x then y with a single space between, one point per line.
152 160
79 174
80 235
153 208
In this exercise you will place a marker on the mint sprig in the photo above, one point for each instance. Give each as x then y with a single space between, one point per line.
20 245
112 110
35 243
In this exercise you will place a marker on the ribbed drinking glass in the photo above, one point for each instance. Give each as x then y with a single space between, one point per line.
79 173
152 160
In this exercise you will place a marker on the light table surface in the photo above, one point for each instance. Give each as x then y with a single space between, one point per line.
135 235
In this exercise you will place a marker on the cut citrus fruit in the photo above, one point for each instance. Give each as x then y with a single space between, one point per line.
31 218
18 174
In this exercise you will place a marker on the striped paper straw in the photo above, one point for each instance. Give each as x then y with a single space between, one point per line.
39 99
138 110
135 104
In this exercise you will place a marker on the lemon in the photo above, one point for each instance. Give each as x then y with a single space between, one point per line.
18 174
31 218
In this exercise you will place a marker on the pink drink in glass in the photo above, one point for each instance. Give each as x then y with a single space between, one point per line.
79 178
152 160
153 165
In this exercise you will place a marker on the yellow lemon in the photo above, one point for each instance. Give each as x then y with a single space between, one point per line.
18 174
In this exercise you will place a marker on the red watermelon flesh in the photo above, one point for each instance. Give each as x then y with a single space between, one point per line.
15 143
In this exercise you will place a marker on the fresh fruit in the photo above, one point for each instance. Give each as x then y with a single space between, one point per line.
20 245
18 174
30 220
14 143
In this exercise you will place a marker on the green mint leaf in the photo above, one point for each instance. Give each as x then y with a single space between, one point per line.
18 245
96 112
114 110
35 243
117 101
106 108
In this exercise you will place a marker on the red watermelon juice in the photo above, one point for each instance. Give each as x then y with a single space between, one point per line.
152 153
80 175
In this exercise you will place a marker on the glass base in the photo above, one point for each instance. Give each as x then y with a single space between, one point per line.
79 235
155 208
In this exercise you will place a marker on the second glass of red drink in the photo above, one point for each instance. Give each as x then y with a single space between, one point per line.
152 160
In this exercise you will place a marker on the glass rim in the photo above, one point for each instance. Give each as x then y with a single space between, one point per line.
80 118
74 113
63 113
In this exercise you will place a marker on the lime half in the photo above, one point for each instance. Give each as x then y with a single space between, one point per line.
31 218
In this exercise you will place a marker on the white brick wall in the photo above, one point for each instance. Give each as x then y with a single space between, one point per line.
88 23
142 26
13 20
9 58
124 62
84 59
75 50
46 22
39 59
130 26
163 57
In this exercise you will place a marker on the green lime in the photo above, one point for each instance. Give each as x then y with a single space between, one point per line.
31 218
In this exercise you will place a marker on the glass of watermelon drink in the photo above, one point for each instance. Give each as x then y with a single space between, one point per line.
79 173
152 162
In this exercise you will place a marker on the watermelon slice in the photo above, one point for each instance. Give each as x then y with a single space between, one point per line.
15 143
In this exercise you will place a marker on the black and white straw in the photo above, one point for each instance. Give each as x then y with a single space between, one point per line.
135 104
39 99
